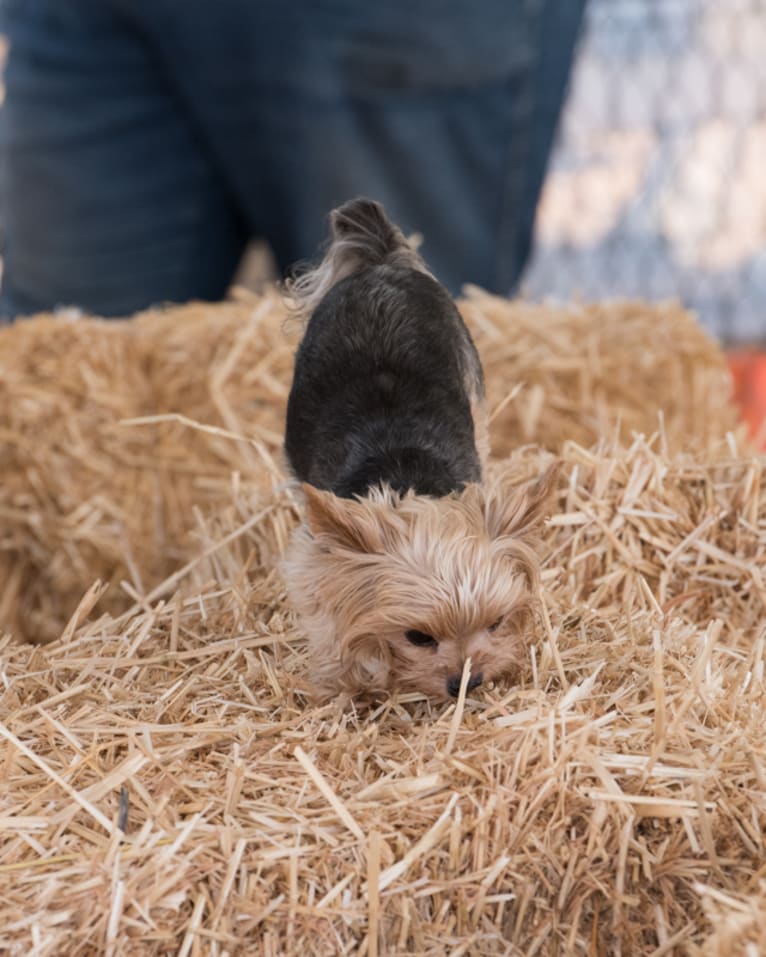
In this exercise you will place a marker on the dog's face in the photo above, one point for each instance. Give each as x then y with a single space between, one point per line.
397 592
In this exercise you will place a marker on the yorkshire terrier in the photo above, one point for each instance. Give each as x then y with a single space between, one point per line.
406 564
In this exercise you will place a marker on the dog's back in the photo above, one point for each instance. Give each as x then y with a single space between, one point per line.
387 378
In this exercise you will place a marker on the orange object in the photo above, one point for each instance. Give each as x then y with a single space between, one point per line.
748 369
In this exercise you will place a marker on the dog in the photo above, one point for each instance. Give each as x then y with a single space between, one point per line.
407 563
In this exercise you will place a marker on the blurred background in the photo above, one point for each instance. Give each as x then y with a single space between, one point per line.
657 186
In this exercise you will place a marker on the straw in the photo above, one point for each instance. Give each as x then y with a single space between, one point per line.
167 785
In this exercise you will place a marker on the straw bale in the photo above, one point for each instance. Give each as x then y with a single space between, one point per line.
168 787
739 923
581 369
88 495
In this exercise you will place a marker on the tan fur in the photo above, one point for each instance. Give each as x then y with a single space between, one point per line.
360 573
480 428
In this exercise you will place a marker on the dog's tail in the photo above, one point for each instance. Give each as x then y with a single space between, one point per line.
361 236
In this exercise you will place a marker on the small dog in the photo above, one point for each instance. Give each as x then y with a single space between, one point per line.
406 565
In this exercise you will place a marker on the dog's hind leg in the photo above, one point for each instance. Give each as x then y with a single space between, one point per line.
480 428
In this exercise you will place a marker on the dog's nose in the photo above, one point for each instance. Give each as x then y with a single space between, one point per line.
453 683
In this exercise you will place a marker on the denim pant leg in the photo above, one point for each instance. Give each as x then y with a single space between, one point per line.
108 197
141 139
444 110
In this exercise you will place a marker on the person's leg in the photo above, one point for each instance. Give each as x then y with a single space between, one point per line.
554 42
443 110
108 198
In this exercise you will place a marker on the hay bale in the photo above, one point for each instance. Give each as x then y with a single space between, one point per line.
739 923
168 789
581 810
86 495
585 372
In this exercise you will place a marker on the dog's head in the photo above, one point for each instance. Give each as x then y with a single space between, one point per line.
398 591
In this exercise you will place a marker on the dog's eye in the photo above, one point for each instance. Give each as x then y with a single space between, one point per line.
496 624
421 639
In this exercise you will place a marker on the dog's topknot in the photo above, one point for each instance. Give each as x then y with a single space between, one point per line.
361 236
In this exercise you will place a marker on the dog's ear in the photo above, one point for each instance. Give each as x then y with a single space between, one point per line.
516 511
344 520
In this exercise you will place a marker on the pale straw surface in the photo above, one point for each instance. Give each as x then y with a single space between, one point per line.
167 786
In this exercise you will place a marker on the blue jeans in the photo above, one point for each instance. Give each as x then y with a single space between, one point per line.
143 142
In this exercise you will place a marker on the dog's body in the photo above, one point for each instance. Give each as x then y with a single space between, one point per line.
406 565
387 378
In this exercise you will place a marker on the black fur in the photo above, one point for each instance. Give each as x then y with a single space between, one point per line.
379 393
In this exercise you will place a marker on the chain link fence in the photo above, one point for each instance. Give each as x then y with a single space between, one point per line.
657 188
